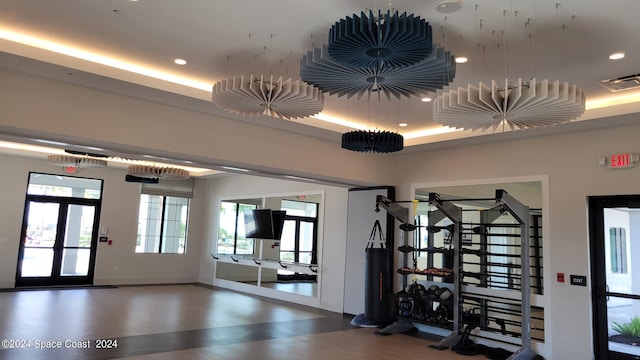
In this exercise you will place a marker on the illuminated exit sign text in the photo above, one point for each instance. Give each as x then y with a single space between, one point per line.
622 160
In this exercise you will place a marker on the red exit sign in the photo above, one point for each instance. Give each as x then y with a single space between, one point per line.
622 160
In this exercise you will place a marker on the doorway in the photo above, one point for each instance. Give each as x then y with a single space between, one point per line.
298 244
59 231
299 241
614 223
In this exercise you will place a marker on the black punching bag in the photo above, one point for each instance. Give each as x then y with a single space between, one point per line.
377 285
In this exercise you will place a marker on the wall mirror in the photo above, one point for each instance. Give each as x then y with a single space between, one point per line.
289 263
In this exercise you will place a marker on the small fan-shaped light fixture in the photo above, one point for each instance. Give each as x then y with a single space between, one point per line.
264 95
75 161
158 172
376 141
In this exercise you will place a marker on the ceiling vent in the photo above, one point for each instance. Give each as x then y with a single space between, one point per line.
622 83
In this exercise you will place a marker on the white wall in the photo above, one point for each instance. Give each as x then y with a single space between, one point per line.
53 110
116 264
570 162
331 235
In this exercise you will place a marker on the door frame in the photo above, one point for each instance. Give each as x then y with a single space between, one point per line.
55 279
599 292
314 247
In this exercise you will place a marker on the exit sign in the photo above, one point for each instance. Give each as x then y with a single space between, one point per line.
622 160
70 169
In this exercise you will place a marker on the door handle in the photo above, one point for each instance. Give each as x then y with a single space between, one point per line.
607 291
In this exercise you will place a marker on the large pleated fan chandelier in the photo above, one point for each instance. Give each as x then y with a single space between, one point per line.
380 40
429 75
507 105
523 105
384 52
266 95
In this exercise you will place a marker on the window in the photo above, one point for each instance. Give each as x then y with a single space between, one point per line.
618 242
64 186
162 224
163 216
231 237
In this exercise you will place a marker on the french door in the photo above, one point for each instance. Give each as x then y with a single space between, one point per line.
614 223
58 241
298 244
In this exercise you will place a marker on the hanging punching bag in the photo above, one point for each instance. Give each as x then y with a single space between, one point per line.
377 279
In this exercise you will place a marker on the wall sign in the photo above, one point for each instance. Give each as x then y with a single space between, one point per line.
579 280
619 160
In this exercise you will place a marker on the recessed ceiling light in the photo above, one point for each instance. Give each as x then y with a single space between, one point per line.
461 59
180 61
426 99
403 124
616 56
449 6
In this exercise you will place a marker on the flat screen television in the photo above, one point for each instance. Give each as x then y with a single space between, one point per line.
264 224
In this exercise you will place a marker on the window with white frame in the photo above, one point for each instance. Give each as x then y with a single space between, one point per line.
163 216
231 234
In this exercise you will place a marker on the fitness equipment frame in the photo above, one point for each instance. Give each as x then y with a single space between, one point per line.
521 214
454 213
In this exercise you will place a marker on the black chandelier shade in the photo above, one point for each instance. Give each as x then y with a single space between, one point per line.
318 68
372 141
382 39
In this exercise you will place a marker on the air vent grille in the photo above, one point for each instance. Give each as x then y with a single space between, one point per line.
622 83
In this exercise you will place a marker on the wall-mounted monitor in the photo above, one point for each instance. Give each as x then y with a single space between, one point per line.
264 224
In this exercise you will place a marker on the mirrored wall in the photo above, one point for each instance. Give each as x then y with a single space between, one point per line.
287 262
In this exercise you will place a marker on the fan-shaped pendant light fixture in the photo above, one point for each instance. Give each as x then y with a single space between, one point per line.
376 141
75 161
382 40
433 73
524 105
263 95
158 172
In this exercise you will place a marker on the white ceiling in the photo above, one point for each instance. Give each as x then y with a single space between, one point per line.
566 40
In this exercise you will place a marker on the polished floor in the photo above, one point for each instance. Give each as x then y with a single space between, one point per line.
186 322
